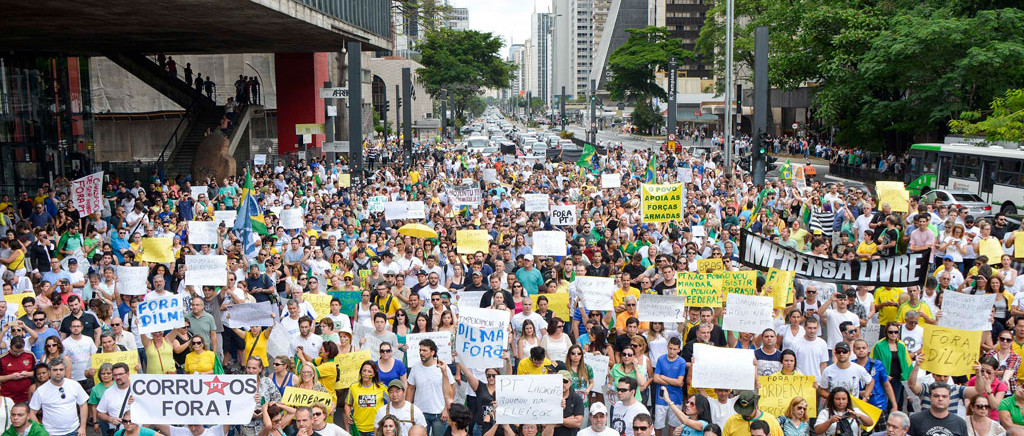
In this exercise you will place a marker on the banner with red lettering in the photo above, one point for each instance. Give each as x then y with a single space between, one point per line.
87 193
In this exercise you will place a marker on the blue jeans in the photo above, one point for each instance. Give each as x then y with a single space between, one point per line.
436 426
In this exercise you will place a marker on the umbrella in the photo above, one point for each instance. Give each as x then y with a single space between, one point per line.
417 230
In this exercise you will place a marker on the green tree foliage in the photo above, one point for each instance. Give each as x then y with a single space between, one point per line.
1004 122
427 15
464 62
633 64
885 73
645 118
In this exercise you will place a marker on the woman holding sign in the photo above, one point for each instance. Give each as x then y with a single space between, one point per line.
159 354
364 398
696 415
839 417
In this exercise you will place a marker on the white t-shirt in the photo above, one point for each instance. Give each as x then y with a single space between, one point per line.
622 417
408 415
216 430
427 381
80 352
60 415
810 355
332 430
861 224
850 378
913 338
835 318
111 401
721 412
310 345
589 431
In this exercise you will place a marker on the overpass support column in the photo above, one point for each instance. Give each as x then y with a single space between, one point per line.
299 77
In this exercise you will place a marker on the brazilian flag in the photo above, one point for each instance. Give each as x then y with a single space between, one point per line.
652 170
587 158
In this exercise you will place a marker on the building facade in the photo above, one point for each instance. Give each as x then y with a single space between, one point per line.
684 19
539 62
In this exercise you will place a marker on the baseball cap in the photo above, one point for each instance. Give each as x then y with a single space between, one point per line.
746 403
948 257
598 408
73 261
843 346
396 383
566 375
421 272
528 257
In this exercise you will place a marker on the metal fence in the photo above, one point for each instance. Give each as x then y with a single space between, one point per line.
860 173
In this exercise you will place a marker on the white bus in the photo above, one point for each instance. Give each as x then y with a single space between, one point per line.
995 173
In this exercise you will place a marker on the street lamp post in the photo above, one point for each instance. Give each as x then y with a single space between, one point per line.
728 124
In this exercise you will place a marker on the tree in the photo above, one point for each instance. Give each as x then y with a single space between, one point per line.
1004 122
422 16
645 118
464 62
633 64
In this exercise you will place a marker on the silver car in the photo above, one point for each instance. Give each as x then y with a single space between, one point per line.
957 200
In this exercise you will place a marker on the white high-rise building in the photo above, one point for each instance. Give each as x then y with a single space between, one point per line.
540 55
517 55
572 40
458 19
583 44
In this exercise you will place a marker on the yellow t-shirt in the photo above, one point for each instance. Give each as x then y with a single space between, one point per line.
365 402
160 360
866 250
619 297
887 314
328 374
203 362
737 426
257 347
1019 349
414 177
921 308
526 367
798 237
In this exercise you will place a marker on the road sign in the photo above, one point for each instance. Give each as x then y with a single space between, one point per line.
336 146
309 129
671 136
334 92
796 126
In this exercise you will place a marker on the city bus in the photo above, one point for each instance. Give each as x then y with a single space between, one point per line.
994 173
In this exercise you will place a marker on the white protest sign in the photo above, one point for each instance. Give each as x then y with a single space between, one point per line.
599 363
250 314
202 232
443 340
563 215
480 339
416 210
685 175
78 256
131 280
661 308
225 216
259 159
403 210
87 194
596 292
528 399
376 203
291 218
196 190
160 314
748 313
206 270
611 181
536 202
490 175
179 399
276 210
549 243
464 196
725 368
469 298
966 312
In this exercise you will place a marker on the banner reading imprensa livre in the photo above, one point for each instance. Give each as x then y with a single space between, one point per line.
893 271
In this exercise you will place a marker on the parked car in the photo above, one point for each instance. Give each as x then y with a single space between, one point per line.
957 200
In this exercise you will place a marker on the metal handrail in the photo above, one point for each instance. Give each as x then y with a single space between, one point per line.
190 113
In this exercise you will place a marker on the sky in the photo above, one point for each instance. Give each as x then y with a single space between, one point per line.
509 19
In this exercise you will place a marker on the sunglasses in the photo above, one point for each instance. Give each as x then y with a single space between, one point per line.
622 389
892 332
197 343
384 351
640 427
982 406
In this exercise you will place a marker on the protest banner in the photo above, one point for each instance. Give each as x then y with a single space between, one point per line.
700 290
460 196
250 314
292 218
471 241
416 210
182 399
866 408
14 300
596 292
710 265
160 314
443 340
395 210
87 194
1018 245
376 203
349 300
748 314
536 202
894 193
195 191
684 174
892 271
778 390
563 215
661 308
611 181
227 217
276 210
297 397
966 312
991 248
321 304
557 303
661 203
480 338
779 285
724 368
469 298
130 358
599 363
348 367
949 351
344 180
259 159
549 243
490 175
202 232
737 282
131 280
799 178
206 270
528 399
159 250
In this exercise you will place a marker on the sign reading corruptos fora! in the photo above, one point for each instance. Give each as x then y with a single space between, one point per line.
190 398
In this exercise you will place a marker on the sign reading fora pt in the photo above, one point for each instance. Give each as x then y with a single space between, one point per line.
334 92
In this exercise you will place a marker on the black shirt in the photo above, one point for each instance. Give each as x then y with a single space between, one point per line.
923 423
573 407
717 336
89 324
486 300
661 287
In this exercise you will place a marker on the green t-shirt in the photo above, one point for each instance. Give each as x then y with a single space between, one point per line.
1009 404
97 393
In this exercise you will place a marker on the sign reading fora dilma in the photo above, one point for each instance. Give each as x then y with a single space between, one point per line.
893 271
190 398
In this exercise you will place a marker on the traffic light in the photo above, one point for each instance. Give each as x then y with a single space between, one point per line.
387 106
399 104
770 163
745 163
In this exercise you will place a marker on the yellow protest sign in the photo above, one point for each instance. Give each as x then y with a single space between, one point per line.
348 367
159 250
16 299
949 351
895 194
344 180
1018 245
992 248
321 304
305 397
661 203
779 285
710 265
778 390
130 358
866 409
700 290
557 303
739 282
471 241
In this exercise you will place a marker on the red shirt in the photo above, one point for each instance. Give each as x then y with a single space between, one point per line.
16 390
